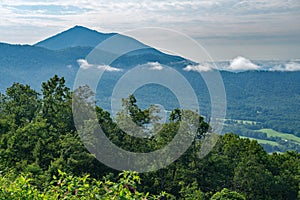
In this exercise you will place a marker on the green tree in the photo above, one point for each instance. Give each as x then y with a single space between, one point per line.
57 104
21 103
226 194
65 186
191 192
138 116
253 179
286 171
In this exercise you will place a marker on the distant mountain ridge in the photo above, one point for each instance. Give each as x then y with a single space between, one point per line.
269 99
77 36
80 36
59 54
83 37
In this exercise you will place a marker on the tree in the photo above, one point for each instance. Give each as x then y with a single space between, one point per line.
66 186
20 104
286 170
175 115
138 116
57 104
226 194
253 179
38 138
192 192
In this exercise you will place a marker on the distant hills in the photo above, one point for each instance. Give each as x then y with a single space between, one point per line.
59 55
84 38
256 99
32 65
77 36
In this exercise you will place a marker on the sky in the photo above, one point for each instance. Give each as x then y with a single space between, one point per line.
255 29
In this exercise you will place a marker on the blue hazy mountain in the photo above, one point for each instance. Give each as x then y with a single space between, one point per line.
256 99
59 55
77 36
83 37
32 65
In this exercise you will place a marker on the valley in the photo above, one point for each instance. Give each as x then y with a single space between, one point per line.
257 100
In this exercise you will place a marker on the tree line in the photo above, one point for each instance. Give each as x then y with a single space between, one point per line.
42 155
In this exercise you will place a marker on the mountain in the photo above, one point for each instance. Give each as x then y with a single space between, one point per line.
33 65
77 36
80 36
59 55
257 100
25 56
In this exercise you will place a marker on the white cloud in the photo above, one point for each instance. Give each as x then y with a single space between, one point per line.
155 66
267 5
288 67
109 68
296 60
85 65
292 66
215 21
190 14
242 64
198 68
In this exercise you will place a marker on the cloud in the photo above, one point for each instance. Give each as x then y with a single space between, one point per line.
242 64
223 15
109 68
296 60
198 68
216 22
85 65
292 66
256 6
288 67
155 66
47 9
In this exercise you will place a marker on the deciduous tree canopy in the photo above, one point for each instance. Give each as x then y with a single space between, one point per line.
42 155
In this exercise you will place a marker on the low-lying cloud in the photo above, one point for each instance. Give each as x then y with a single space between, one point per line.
197 68
292 66
239 64
155 66
85 65
288 67
242 64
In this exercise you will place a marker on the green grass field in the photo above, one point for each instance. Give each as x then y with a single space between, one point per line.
284 136
263 141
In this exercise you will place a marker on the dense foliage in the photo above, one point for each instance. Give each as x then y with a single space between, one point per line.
262 99
42 156
71 187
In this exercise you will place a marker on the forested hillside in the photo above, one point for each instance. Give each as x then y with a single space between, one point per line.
261 105
42 156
